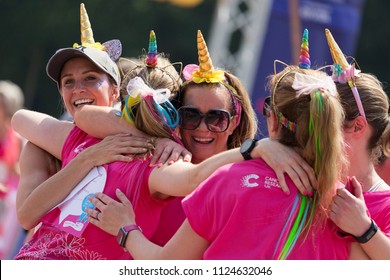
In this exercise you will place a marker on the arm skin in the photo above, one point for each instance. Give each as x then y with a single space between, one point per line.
100 122
279 157
178 179
37 182
43 130
185 244
181 178
283 159
348 212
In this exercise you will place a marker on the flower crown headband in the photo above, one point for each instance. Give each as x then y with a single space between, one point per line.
112 47
205 73
151 61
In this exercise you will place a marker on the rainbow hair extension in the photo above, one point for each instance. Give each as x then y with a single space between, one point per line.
299 210
313 129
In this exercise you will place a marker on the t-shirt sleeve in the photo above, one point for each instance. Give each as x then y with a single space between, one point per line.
204 206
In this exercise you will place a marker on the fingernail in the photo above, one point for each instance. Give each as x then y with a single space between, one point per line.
310 193
304 192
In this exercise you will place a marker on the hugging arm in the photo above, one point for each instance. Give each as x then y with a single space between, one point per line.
100 122
42 130
181 178
185 244
349 212
41 177
283 159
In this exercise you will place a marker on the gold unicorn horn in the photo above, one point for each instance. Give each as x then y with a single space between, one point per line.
85 25
337 54
205 63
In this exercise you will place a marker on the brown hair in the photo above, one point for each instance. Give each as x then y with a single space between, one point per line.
376 108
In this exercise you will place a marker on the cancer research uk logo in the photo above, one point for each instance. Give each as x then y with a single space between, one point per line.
251 181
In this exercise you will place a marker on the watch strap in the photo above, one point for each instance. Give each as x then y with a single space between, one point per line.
247 154
368 234
124 232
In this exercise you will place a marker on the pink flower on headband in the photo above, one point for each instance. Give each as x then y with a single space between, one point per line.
345 75
189 70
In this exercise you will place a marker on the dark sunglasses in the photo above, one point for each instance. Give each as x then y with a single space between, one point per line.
215 120
267 106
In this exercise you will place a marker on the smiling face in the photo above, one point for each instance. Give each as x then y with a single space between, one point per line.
82 82
201 142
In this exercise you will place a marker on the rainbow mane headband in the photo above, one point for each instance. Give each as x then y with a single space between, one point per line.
112 47
342 71
205 73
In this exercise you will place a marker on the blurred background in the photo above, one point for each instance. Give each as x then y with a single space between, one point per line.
243 36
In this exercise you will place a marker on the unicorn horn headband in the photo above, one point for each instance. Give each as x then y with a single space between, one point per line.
304 57
343 72
151 58
204 72
85 26
112 47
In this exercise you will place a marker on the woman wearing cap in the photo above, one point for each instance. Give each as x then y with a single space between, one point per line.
367 134
102 88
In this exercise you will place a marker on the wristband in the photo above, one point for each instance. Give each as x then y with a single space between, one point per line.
368 234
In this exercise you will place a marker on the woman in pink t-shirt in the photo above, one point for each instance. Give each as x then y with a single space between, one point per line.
240 212
367 134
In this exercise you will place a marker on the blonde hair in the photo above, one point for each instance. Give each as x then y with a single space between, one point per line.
247 127
163 75
376 107
322 147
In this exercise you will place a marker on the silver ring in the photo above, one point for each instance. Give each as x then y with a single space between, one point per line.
97 215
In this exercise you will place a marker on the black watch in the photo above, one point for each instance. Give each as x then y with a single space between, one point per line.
247 147
368 234
124 232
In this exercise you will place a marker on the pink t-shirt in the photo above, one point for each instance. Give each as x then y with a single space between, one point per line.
131 178
241 210
378 204
172 217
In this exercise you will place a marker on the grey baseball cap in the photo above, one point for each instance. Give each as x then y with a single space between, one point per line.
98 57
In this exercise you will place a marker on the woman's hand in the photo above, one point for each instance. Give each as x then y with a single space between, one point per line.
169 151
110 215
283 159
119 147
348 210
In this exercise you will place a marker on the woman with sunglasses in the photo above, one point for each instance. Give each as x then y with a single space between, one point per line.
216 115
367 135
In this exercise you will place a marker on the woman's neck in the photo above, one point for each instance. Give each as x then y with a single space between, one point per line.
363 169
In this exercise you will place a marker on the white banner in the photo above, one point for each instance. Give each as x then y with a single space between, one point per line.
199 270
